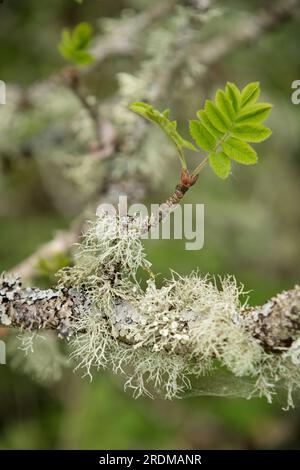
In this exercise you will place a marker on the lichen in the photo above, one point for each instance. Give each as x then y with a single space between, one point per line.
38 355
159 338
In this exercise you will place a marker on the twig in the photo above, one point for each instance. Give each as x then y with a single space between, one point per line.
72 80
186 182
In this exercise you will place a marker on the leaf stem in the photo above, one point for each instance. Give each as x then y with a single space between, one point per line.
200 167
182 160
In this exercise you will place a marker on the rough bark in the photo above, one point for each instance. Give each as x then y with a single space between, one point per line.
277 323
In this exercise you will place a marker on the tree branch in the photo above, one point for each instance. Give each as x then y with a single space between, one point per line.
275 325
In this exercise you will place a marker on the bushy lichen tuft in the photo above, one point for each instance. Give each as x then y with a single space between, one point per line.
107 260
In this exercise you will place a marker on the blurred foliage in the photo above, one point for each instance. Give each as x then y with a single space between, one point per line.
252 230
47 269
20 236
74 44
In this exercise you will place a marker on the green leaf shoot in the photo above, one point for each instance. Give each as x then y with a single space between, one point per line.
223 129
74 45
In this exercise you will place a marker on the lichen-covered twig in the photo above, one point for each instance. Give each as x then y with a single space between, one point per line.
30 309
276 324
164 210
166 333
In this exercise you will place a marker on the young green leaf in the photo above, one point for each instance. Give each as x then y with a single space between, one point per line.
202 136
250 94
251 132
228 123
239 151
223 128
82 36
220 164
74 44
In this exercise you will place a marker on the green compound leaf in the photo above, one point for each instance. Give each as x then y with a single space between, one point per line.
228 122
169 127
74 44
239 151
202 136
222 129
220 164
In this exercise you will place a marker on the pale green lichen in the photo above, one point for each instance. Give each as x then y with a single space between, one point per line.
38 355
161 338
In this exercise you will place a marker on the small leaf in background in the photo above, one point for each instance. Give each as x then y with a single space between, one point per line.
74 44
220 164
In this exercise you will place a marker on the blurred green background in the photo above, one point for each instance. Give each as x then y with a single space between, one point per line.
252 224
